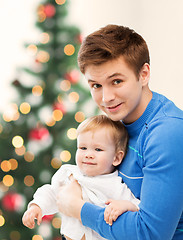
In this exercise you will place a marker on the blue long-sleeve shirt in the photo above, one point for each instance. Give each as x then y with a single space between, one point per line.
153 170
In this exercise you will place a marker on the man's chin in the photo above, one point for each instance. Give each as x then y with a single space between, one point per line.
114 117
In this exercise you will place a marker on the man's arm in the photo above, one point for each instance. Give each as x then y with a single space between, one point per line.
161 193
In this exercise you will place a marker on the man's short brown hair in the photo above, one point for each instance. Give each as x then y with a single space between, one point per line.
110 43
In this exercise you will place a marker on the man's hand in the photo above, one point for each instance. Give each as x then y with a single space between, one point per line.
69 199
34 212
117 207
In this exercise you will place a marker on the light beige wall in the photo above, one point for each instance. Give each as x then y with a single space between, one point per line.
161 24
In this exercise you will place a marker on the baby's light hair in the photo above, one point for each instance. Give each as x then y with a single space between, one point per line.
115 128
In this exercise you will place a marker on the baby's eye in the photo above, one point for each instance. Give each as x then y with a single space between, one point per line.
98 149
83 148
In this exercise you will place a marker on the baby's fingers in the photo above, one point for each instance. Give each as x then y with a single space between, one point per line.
28 220
112 217
39 218
106 215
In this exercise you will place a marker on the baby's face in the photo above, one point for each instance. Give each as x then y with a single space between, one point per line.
95 152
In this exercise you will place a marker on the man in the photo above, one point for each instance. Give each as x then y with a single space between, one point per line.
115 62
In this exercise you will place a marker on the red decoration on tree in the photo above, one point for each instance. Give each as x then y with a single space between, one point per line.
12 202
73 76
79 38
48 218
49 10
40 133
59 106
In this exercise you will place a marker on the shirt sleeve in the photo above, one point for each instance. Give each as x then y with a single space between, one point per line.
46 196
161 192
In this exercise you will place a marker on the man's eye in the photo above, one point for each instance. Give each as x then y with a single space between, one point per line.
95 86
117 81
98 149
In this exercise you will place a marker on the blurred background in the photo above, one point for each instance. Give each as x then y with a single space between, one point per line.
43 96
160 23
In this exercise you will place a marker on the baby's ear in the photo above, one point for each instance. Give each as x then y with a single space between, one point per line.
118 158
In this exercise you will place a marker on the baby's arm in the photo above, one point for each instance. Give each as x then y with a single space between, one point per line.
117 207
32 213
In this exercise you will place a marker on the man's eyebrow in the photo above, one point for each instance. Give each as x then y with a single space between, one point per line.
90 80
115 75
109 77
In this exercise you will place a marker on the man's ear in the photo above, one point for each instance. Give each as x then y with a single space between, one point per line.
118 158
144 75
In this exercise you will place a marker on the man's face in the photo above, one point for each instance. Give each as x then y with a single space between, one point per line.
117 90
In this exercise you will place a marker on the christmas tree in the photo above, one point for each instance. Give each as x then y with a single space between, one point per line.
38 131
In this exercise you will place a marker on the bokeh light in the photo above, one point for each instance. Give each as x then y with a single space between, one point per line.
56 163
20 151
37 237
65 156
29 156
45 176
60 2
37 90
50 123
29 180
17 141
8 180
5 166
41 13
3 188
25 108
44 38
74 97
2 221
14 163
15 235
65 85
57 115
11 113
71 133
79 117
56 222
43 56
69 49
32 49
45 230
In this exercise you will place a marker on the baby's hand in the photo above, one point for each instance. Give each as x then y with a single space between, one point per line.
117 207
34 212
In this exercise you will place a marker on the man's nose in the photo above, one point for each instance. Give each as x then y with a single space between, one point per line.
107 95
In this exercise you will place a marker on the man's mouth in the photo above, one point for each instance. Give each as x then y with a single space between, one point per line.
113 108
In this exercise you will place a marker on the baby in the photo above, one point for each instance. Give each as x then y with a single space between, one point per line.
101 146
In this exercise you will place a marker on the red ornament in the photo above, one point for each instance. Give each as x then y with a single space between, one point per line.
79 38
49 10
48 218
40 133
59 106
12 202
73 76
